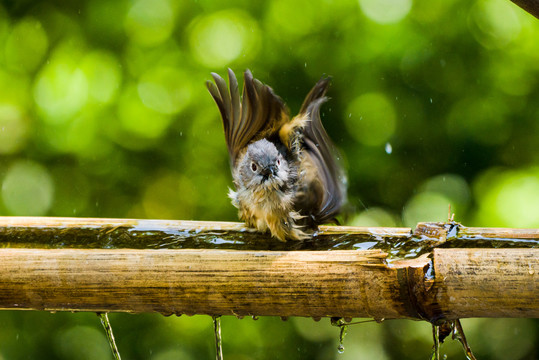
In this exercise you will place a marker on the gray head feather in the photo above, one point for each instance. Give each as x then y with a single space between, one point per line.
263 166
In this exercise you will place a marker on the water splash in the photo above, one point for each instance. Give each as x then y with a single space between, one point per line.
110 336
218 339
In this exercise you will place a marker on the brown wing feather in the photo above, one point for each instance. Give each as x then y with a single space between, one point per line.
260 114
324 157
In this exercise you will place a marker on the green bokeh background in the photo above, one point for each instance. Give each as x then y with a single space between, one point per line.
104 113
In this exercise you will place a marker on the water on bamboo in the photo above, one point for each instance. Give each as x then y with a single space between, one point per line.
151 234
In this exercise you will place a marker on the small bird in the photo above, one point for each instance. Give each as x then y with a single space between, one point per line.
286 171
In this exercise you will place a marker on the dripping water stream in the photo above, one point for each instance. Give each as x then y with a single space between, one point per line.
218 339
110 336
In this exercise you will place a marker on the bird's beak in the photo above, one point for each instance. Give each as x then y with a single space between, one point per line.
268 172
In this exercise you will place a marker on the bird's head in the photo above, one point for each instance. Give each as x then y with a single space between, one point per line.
263 166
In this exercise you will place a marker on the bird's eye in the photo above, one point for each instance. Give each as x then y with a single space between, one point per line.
278 162
253 166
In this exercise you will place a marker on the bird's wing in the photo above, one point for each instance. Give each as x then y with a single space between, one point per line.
258 114
323 155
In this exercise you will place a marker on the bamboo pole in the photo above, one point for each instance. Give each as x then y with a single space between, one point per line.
480 282
214 282
443 283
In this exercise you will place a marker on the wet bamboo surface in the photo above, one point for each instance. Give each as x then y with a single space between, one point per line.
104 273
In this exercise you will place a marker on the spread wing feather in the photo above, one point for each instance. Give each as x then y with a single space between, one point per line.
324 156
260 113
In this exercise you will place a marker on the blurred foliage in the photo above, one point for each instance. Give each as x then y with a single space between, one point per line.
104 113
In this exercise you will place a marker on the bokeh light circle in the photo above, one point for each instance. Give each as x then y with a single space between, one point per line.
374 217
26 45
61 88
220 38
27 189
103 74
137 118
13 129
425 207
494 23
164 90
386 11
149 22
508 198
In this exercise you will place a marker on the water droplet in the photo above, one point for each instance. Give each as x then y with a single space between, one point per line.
339 322
350 115
255 317
431 100
305 64
389 148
